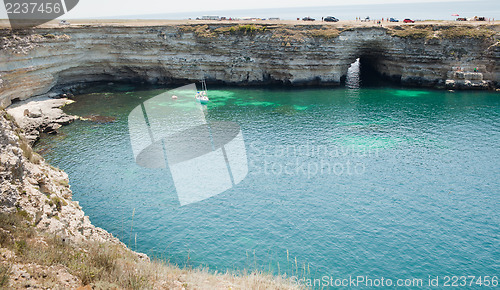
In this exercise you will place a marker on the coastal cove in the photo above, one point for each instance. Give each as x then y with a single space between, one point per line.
419 198
55 60
365 150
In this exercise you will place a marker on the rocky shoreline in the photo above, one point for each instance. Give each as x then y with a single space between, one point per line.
31 185
40 115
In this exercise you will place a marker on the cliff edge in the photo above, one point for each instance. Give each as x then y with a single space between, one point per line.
56 60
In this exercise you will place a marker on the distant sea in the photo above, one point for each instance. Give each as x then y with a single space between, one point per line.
419 11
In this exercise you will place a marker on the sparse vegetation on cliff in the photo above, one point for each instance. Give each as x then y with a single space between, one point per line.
413 31
467 31
285 33
242 29
327 33
206 31
102 264
441 31
29 257
23 43
198 30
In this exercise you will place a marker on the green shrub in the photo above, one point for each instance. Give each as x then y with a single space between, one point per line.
20 247
251 28
63 182
5 239
9 117
24 214
58 202
28 151
4 275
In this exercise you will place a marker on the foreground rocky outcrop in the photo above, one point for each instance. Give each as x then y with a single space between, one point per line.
39 191
54 60
40 115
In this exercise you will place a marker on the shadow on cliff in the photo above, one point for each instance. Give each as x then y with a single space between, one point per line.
363 74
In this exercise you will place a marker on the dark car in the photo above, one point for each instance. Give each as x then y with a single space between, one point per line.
331 19
308 18
407 20
393 20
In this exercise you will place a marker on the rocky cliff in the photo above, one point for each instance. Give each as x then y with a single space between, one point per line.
42 60
38 191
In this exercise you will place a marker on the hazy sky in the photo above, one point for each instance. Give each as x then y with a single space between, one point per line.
101 8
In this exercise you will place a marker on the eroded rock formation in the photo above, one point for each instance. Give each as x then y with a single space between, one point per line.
38 191
44 60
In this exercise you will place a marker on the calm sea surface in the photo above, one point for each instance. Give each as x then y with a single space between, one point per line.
373 181
420 11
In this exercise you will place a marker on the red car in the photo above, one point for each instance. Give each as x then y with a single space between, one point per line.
408 21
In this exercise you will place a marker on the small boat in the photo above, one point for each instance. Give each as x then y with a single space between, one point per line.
201 96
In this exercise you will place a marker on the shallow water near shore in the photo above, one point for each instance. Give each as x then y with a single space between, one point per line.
378 182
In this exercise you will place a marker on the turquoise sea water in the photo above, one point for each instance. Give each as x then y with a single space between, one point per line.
378 182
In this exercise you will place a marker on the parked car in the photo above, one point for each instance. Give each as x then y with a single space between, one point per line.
393 20
331 19
308 18
407 20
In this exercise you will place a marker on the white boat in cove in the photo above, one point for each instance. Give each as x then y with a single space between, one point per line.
202 96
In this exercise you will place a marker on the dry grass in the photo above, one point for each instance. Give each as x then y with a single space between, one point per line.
248 29
28 152
205 31
23 143
57 202
480 32
441 31
287 36
202 31
4 275
413 31
108 266
328 33
284 33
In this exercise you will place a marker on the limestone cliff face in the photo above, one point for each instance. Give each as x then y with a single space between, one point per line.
40 60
